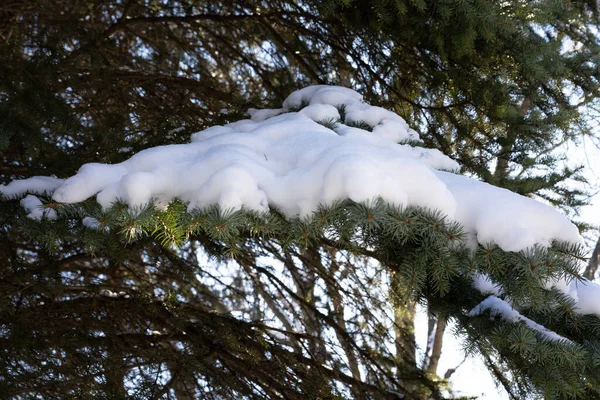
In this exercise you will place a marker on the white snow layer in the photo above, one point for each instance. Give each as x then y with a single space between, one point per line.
36 209
91 222
587 295
35 184
499 307
484 284
496 215
294 163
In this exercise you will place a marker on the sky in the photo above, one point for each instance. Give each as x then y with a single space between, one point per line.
472 377
588 155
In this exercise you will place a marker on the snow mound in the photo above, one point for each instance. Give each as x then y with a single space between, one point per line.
288 161
586 295
484 284
496 215
291 161
321 100
36 209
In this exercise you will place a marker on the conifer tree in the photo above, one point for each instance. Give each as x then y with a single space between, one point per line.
488 83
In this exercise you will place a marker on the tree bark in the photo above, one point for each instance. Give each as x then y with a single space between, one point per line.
405 343
436 351
592 267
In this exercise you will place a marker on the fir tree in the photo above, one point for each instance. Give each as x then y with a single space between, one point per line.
483 81
313 319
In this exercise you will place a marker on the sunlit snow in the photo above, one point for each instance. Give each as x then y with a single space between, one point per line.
499 307
296 161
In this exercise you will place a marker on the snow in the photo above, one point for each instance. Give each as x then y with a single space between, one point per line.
110 293
35 184
513 222
91 222
484 284
35 208
386 124
499 307
295 164
568 288
261 115
290 161
321 94
587 295
395 131
321 112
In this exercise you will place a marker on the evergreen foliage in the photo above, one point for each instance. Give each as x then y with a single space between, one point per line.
170 304
421 253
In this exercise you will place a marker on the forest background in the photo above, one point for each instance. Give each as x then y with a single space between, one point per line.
504 88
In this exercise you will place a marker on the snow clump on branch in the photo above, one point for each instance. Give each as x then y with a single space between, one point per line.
334 147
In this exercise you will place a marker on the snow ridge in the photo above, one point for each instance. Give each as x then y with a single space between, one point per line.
35 184
499 307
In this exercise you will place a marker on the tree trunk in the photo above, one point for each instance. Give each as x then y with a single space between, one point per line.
406 359
592 267
436 351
